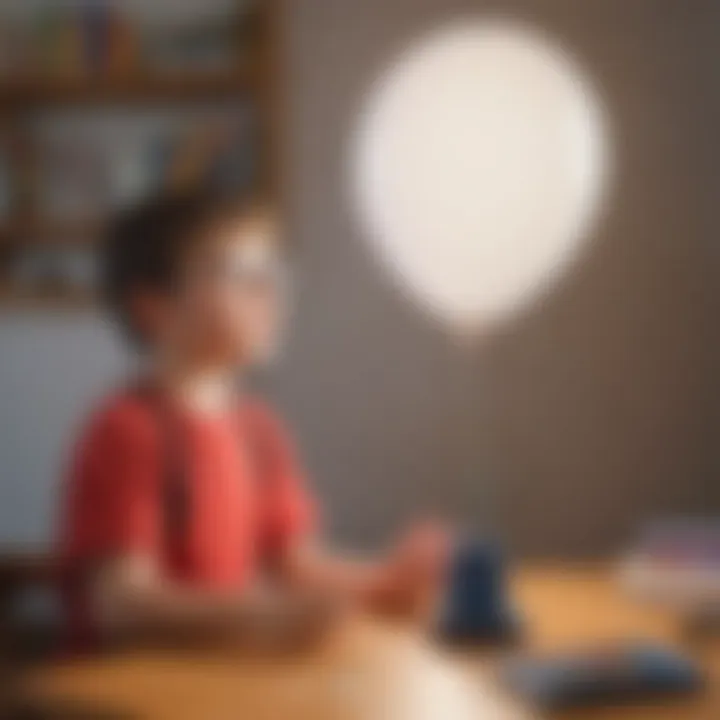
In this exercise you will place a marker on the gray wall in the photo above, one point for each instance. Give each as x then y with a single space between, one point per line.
52 367
593 411
590 413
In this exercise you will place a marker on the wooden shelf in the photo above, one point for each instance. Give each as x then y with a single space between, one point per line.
29 93
14 298
46 231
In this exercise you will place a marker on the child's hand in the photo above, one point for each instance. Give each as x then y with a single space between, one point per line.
414 574
295 621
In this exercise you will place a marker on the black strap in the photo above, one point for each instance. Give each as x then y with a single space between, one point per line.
175 498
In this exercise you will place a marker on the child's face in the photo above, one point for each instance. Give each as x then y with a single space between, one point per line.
230 299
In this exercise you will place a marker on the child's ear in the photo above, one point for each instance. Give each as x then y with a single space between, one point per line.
148 309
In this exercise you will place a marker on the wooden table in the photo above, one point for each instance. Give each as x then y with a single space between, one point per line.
375 672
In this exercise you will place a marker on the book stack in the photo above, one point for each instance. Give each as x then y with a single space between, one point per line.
86 39
101 39
677 563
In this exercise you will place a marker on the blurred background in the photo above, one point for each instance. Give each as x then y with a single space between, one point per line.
562 430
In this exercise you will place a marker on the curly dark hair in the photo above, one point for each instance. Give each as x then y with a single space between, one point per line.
145 244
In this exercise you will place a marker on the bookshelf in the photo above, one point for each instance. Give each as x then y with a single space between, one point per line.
39 93
26 229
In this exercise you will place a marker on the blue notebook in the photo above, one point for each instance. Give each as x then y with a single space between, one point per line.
642 671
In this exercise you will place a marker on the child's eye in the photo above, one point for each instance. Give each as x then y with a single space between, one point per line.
256 275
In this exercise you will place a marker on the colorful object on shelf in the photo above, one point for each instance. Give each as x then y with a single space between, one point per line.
75 179
599 676
60 40
94 20
122 53
216 153
100 38
208 45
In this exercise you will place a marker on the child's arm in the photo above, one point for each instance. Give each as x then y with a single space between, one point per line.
404 581
132 601
407 581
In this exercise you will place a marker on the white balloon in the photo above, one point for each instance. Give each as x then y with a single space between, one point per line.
477 167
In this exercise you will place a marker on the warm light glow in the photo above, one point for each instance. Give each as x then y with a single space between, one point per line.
477 169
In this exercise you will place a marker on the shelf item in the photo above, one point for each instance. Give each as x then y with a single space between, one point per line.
105 40
16 300
51 270
43 230
34 93
87 62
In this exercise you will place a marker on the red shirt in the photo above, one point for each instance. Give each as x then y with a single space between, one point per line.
244 496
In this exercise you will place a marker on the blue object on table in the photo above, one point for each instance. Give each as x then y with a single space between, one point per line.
477 607
634 672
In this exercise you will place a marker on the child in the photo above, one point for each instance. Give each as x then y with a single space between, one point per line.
186 513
